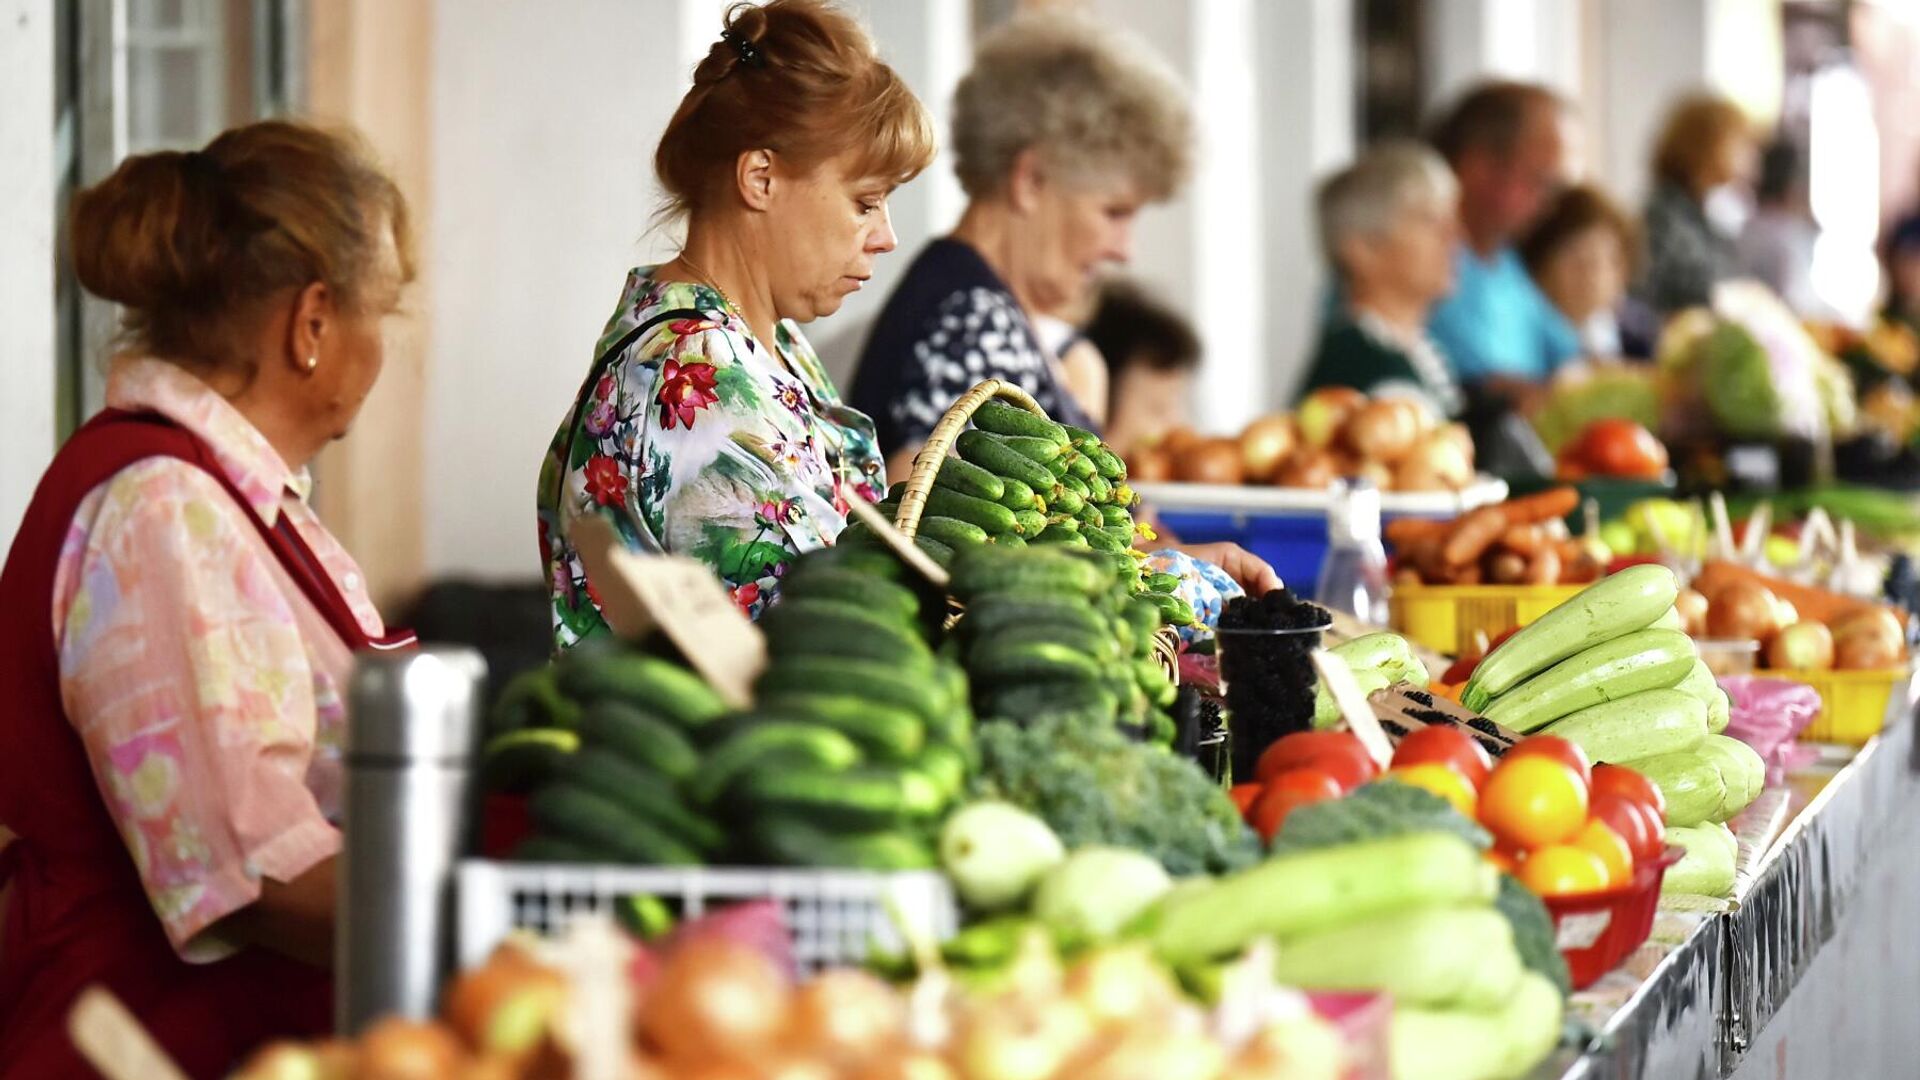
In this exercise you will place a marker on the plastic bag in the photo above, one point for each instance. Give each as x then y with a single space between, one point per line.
1768 714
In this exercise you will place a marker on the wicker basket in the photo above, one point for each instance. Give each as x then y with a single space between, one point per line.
926 469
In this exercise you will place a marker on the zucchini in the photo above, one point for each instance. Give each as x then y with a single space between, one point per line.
1003 418
990 516
1640 725
643 793
660 685
991 452
956 534
1700 683
785 841
958 474
1611 607
1740 769
1641 660
1707 869
1018 496
1290 895
882 731
1693 785
881 684
568 812
877 595
1438 957
640 737
805 744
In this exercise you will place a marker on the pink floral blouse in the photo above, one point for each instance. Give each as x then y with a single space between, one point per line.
206 687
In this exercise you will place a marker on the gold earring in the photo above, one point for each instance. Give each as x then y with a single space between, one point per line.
313 362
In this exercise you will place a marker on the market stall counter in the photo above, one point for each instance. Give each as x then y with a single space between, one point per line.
1735 993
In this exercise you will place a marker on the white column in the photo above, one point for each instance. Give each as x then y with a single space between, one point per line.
1305 124
27 361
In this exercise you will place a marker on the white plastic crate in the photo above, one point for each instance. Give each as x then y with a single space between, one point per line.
837 917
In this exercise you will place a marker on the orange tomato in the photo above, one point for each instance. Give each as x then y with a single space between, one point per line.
1598 837
1438 744
1285 793
1557 748
1442 780
1563 870
1532 801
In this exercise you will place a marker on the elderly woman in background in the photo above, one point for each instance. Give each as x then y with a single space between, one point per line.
1580 253
706 426
1388 227
1702 163
1062 131
179 627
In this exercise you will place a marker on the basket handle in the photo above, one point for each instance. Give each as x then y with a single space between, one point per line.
926 463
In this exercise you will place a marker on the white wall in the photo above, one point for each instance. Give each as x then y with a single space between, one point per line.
27 362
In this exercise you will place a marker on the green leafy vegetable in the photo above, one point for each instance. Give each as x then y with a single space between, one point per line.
1371 812
1533 935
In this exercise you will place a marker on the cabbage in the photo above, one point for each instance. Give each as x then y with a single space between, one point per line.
1737 381
1612 390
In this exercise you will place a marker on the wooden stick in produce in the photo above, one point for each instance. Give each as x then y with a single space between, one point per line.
1353 706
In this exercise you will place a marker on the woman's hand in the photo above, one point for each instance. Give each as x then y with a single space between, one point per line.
1247 570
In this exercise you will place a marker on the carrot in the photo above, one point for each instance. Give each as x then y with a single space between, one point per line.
1526 540
1543 506
1403 531
1473 534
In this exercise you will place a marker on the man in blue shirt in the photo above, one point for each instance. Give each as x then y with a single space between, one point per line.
1507 143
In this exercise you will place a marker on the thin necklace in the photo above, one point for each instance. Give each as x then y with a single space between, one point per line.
712 283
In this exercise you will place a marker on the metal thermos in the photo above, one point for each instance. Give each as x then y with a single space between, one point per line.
413 719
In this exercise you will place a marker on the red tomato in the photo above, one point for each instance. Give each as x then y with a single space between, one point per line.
1298 787
1560 750
1447 746
1339 754
1615 446
1533 800
1644 833
1622 780
1244 795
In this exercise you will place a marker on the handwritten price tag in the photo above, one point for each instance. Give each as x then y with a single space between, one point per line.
644 594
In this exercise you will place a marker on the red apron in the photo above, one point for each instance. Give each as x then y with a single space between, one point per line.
77 914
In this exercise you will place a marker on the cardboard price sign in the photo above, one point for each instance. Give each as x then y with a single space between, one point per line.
1402 710
641 595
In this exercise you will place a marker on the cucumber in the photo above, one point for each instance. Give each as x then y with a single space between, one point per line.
865 591
1144 617
1111 467
1080 467
1118 517
872 564
992 453
940 553
1030 701
956 534
963 476
1060 534
1099 491
788 842
1152 679
1081 439
1099 539
1018 496
855 799
1039 451
1173 610
947 766
1067 501
883 731
1123 536
999 612
1009 540
1614 606
837 628
645 794
1003 418
1163 583
1098 645
568 812
660 685
539 848
1078 486
1639 725
802 744
1029 522
994 659
889 509
865 679
640 737
516 762
532 699
1089 517
988 515
1029 572
1058 467
1290 895
1641 660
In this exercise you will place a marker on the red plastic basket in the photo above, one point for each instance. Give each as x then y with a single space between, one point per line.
1597 931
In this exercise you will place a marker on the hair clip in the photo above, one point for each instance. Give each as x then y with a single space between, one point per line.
750 53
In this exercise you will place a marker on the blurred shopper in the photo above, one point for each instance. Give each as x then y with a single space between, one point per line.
1062 131
706 426
1507 144
1901 253
1703 162
1151 353
1580 253
1082 367
179 625
1776 246
1388 228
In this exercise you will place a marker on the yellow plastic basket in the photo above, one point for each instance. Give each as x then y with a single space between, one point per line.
1450 618
1853 704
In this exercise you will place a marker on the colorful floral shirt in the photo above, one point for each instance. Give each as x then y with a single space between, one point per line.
205 686
692 439
1205 587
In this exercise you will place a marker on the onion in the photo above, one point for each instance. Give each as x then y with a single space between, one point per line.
906 1064
1463 440
1383 431
1742 611
1180 439
1310 469
1325 412
1121 985
847 1016
397 1049
1377 473
715 998
505 1005
1265 445
1215 461
1693 612
1864 652
1150 465
1802 646
1507 568
1875 622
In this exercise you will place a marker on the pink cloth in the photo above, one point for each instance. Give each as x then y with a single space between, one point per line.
205 686
1768 714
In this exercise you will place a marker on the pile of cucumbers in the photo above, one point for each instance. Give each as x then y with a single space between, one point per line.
1610 670
1054 632
1019 479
